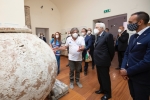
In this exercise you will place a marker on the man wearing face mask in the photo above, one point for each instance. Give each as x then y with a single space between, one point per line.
42 37
136 63
76 45
122 43
103 55
92 46
88 43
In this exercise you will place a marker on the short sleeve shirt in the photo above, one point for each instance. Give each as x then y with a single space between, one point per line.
54 45
74 55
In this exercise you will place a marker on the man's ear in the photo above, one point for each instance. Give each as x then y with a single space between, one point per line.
140 22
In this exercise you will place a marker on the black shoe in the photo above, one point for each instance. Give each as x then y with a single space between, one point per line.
117 68
85 73
105 97
80 70
99 92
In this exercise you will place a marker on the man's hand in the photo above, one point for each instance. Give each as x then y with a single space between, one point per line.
125 77
80 49
61 48
55 49
123 72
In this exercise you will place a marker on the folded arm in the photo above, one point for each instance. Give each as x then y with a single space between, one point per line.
124 38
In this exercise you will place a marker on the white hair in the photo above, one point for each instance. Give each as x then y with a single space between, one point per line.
102 25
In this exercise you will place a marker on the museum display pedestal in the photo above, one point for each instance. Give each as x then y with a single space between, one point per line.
59 89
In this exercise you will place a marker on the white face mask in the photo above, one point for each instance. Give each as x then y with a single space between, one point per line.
83 34
57 36
96 31
89 32
75 35
119 30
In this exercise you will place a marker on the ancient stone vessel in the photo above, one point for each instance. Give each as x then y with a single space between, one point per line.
27 65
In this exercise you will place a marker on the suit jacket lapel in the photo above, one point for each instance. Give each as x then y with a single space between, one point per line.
139 38
97 42
85 38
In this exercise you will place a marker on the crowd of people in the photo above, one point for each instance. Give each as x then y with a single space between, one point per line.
133 57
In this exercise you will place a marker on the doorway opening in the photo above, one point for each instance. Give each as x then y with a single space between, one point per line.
113 23
45 32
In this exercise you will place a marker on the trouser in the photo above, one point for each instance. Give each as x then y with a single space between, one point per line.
120 57
104 79
58 63
75 66
85 63
85 66
139 91
91 53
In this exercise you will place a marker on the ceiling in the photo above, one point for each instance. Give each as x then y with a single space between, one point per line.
61 3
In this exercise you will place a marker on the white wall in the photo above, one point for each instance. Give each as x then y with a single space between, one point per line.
83 12
44 18
12 12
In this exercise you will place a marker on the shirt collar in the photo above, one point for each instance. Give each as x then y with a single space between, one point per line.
140 32
101 33
85 36
90 34
122 32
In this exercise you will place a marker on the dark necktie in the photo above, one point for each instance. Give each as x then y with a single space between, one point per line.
135 38
97 38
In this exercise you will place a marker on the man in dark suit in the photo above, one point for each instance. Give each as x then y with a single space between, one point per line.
107 30
122 42
103 55
42 37
88 43
136 63
92 46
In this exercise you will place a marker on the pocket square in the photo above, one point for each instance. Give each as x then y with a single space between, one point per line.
138 43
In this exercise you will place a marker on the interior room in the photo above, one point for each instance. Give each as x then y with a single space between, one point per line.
112 23
44 31
94 50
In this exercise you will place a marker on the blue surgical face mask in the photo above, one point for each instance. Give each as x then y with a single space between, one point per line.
133 26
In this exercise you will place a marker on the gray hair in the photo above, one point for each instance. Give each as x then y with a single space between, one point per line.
102 25
74 29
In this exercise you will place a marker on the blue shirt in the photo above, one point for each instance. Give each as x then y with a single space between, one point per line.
54 45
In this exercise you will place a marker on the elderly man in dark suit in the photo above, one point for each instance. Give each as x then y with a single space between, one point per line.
136 62
122 42
103 55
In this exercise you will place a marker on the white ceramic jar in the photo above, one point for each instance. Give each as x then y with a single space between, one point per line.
27 67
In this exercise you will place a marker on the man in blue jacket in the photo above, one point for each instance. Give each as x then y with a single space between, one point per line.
88 43
136 63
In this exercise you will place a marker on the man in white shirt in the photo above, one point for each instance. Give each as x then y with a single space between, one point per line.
76 45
